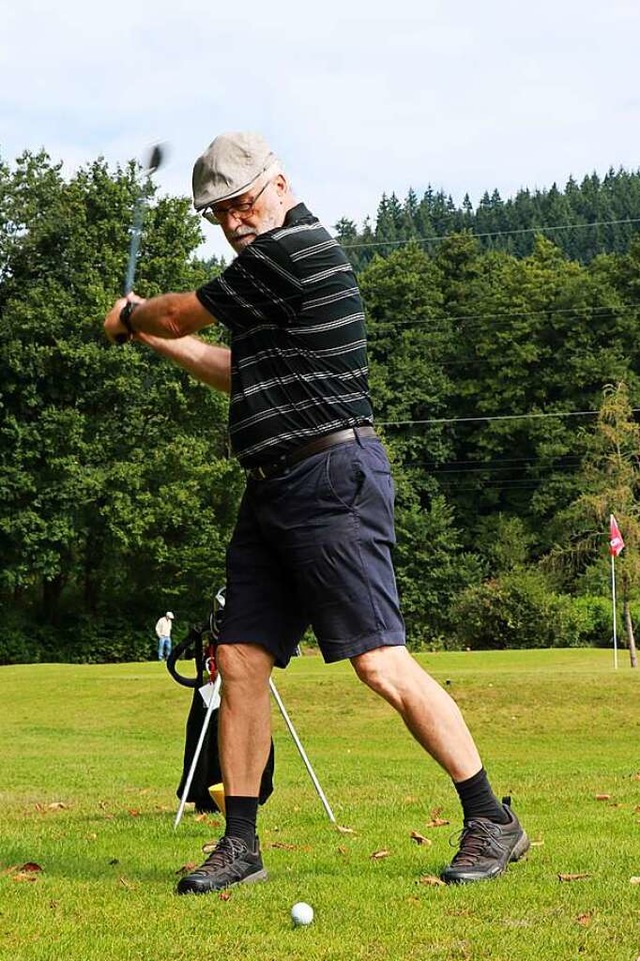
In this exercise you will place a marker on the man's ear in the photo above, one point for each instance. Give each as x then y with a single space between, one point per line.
281 184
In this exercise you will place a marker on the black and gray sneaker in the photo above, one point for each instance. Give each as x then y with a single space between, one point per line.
486 848
231 862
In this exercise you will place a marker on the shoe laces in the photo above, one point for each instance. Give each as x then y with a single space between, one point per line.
474 840
225 852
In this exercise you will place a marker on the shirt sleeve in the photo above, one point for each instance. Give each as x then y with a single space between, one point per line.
261 285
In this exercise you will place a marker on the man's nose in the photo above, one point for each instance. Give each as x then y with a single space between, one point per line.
230 219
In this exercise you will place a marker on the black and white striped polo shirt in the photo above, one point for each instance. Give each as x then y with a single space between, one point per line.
298 348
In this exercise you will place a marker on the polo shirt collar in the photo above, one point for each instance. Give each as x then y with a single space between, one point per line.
296 215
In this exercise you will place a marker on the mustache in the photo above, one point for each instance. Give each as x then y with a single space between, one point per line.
242 231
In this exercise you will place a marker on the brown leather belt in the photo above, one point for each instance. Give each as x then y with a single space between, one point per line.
283 464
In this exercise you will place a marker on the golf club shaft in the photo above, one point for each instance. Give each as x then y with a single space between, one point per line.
196 753
296 741
134 246
153 162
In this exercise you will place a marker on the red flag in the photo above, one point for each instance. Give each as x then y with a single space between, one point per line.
616 542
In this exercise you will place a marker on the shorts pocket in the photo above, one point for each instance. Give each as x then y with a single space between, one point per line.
344 476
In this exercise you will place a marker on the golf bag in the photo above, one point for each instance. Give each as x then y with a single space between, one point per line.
200 645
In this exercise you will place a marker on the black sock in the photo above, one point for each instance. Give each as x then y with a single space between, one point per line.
242 815
478 800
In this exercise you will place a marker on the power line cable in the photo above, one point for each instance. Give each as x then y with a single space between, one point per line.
489 417
506 315
490 233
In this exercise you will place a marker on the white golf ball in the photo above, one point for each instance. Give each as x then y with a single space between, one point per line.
302 913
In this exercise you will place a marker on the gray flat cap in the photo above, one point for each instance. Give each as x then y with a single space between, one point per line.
228 167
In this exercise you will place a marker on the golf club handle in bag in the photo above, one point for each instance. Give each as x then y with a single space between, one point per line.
191 646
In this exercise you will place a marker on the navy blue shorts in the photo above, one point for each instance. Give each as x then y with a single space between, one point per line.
313 547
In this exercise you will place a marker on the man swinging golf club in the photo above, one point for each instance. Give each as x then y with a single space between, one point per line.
313 538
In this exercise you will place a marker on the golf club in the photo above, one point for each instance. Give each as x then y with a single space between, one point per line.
154 161
214 701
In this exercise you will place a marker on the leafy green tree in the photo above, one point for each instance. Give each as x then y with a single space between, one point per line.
610 484
407 340
113 480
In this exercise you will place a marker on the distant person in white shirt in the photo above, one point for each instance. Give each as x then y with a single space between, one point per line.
163 630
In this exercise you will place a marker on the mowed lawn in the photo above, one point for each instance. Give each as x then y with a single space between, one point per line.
92 756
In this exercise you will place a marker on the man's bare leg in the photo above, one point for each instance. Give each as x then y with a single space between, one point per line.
244 723
244 735
431 715
492 835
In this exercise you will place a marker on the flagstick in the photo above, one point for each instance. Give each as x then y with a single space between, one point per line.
615 630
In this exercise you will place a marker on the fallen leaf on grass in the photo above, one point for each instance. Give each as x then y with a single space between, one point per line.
187 868
636 777
431 881
207 819
24 872
133 812
225 895
584 920
537 844
420 838
573 877
603 797
282 846
379 855
344 830
57 806
634 880
436 821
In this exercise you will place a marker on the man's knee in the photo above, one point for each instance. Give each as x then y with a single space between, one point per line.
248 665
378 669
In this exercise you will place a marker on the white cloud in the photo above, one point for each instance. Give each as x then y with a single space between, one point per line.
357 98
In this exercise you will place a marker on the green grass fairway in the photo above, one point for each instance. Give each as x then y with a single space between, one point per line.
92 756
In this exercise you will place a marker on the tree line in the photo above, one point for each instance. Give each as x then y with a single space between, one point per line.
597 215
505 384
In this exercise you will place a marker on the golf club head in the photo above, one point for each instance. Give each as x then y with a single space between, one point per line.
155 159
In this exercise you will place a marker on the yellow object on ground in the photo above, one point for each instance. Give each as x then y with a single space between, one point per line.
217 793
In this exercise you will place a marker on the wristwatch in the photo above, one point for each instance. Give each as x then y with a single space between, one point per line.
125 316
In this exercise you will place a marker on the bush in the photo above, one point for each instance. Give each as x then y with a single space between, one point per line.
596 627
79 641
517 610
93 641
15 647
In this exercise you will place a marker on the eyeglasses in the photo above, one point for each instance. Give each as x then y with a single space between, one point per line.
241 208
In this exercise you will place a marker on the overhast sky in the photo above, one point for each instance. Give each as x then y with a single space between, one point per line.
357 98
